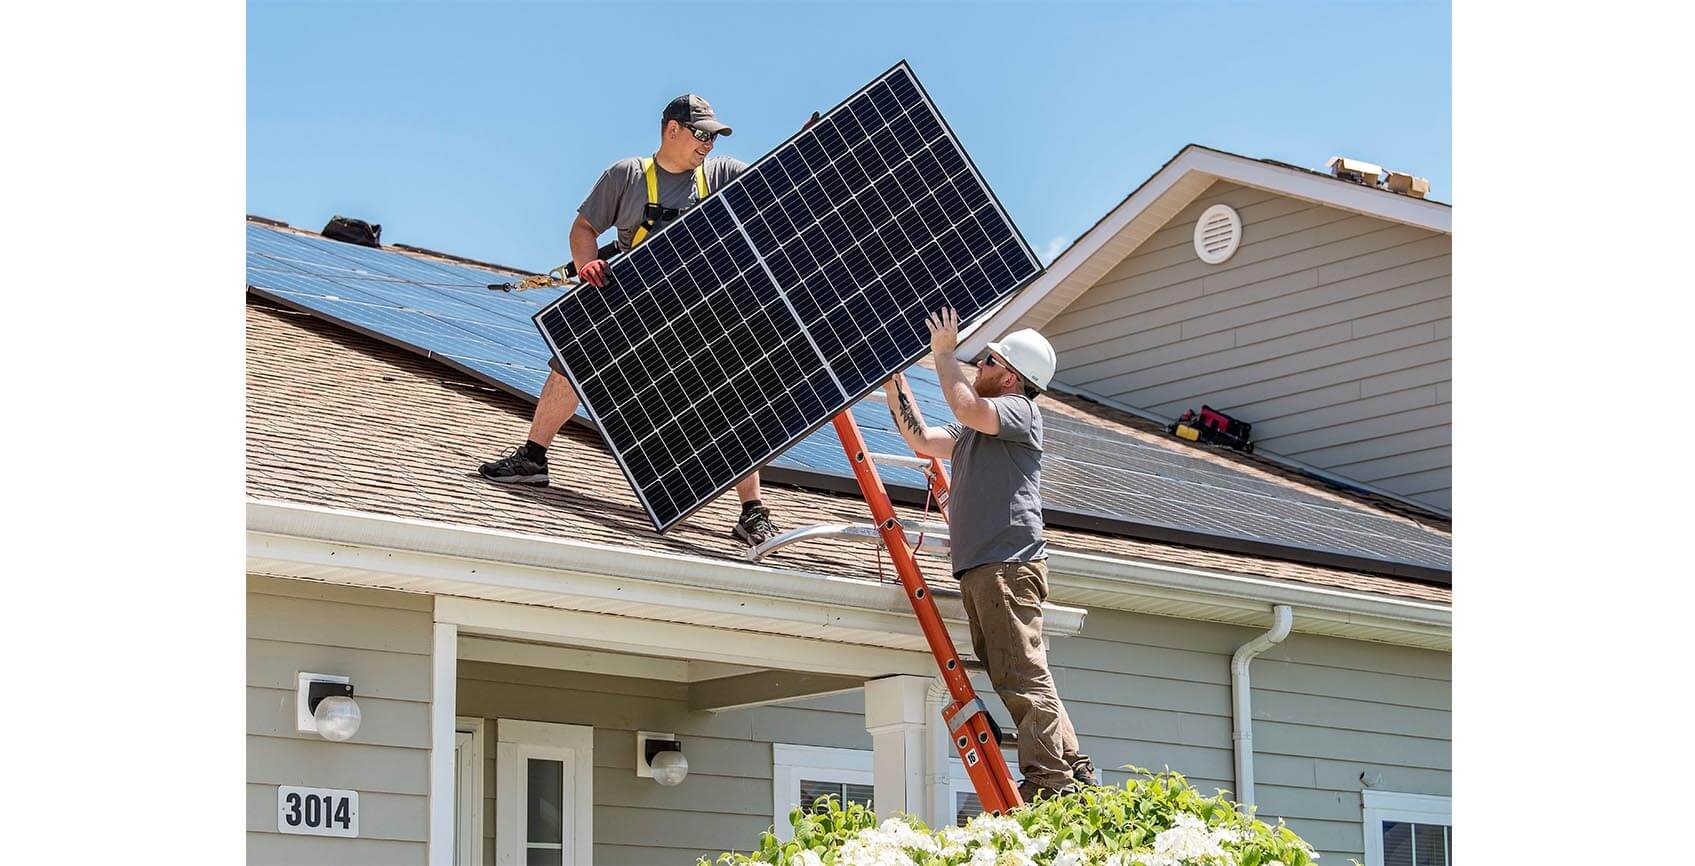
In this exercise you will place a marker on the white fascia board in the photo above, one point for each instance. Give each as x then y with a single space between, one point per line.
1172 590
1291 182
628 634
313 542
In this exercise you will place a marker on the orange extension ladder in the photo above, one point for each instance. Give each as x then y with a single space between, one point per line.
967 719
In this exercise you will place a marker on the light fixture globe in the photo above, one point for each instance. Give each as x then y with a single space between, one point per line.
337 718
669 767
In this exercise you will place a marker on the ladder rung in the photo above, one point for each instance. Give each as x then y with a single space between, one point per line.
912 461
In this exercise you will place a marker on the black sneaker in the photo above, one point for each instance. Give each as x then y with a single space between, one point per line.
755 527
516 468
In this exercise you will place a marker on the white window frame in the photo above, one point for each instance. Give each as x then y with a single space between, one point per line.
790 763
469 827
572 745
1380 806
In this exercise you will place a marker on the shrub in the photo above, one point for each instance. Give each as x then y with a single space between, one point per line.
1157 819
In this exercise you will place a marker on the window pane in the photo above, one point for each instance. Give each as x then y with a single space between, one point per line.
544 857
965 807
812 789
1428 847
546 792
860 794
1397 844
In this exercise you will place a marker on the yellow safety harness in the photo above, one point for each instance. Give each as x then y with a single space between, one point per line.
653 214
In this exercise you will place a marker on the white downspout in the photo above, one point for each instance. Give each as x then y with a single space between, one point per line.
938 784
1241 715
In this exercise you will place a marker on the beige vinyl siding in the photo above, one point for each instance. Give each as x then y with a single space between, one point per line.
1155 692
381 640
724 804
1327 330
1143 690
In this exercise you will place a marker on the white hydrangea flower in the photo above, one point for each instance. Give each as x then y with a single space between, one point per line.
1070 855
806 858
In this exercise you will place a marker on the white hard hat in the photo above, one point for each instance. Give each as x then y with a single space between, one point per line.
1030 354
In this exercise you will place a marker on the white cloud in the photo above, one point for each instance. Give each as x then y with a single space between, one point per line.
1054 248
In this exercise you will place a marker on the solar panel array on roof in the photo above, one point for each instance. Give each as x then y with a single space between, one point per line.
1094 477
741 327
442 309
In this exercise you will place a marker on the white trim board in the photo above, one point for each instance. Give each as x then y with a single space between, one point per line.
790 763
1379 806
535 655
337 546
1169 190
622 634
469 828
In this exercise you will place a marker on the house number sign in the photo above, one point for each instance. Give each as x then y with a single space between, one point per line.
317 811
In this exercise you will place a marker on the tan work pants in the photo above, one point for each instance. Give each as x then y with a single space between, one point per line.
1003 604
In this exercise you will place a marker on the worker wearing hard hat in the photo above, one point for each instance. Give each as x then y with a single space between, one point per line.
995 533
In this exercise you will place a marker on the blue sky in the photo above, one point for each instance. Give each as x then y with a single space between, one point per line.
477 128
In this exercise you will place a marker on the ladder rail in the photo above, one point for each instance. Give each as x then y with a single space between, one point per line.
967 718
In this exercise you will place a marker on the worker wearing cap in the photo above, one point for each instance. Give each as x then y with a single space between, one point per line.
995 533
639 196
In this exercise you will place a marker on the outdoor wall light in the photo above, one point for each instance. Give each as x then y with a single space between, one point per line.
324 705
660 757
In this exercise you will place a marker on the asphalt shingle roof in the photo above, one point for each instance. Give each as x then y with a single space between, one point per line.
341 420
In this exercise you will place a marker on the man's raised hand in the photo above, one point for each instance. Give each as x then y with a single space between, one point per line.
944 331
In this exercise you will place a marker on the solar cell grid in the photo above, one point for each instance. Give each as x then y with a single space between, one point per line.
794 290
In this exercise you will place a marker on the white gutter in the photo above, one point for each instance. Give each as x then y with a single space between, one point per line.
1241 709
1163 589
358 548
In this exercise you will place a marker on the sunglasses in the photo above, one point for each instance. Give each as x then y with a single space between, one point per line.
700 135
989 361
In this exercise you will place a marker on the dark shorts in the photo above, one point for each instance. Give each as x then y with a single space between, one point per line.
554 365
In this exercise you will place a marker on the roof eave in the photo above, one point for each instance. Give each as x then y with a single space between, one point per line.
357 548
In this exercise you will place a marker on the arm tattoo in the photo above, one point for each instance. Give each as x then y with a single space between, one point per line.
910 419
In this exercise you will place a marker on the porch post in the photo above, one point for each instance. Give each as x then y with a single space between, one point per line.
895 717
444 690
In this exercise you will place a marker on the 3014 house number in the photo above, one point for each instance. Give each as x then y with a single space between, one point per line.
317 811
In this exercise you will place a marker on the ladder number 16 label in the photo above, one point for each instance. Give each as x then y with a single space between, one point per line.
317 811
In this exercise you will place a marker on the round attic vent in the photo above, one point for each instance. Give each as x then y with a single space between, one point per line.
1217 234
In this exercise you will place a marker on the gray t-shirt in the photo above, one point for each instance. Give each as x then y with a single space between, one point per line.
995 509
620 196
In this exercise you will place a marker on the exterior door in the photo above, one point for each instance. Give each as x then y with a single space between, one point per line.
544 801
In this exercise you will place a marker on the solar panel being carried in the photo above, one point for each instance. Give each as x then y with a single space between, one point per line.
741 327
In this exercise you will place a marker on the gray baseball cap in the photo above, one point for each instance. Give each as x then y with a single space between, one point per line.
691 109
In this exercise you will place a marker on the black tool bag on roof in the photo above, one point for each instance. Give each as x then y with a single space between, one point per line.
353 231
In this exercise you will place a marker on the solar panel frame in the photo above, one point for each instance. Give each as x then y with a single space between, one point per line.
689 236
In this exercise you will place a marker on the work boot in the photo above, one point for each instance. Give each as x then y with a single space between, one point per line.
522 466
755 526
1084 772
1031 792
